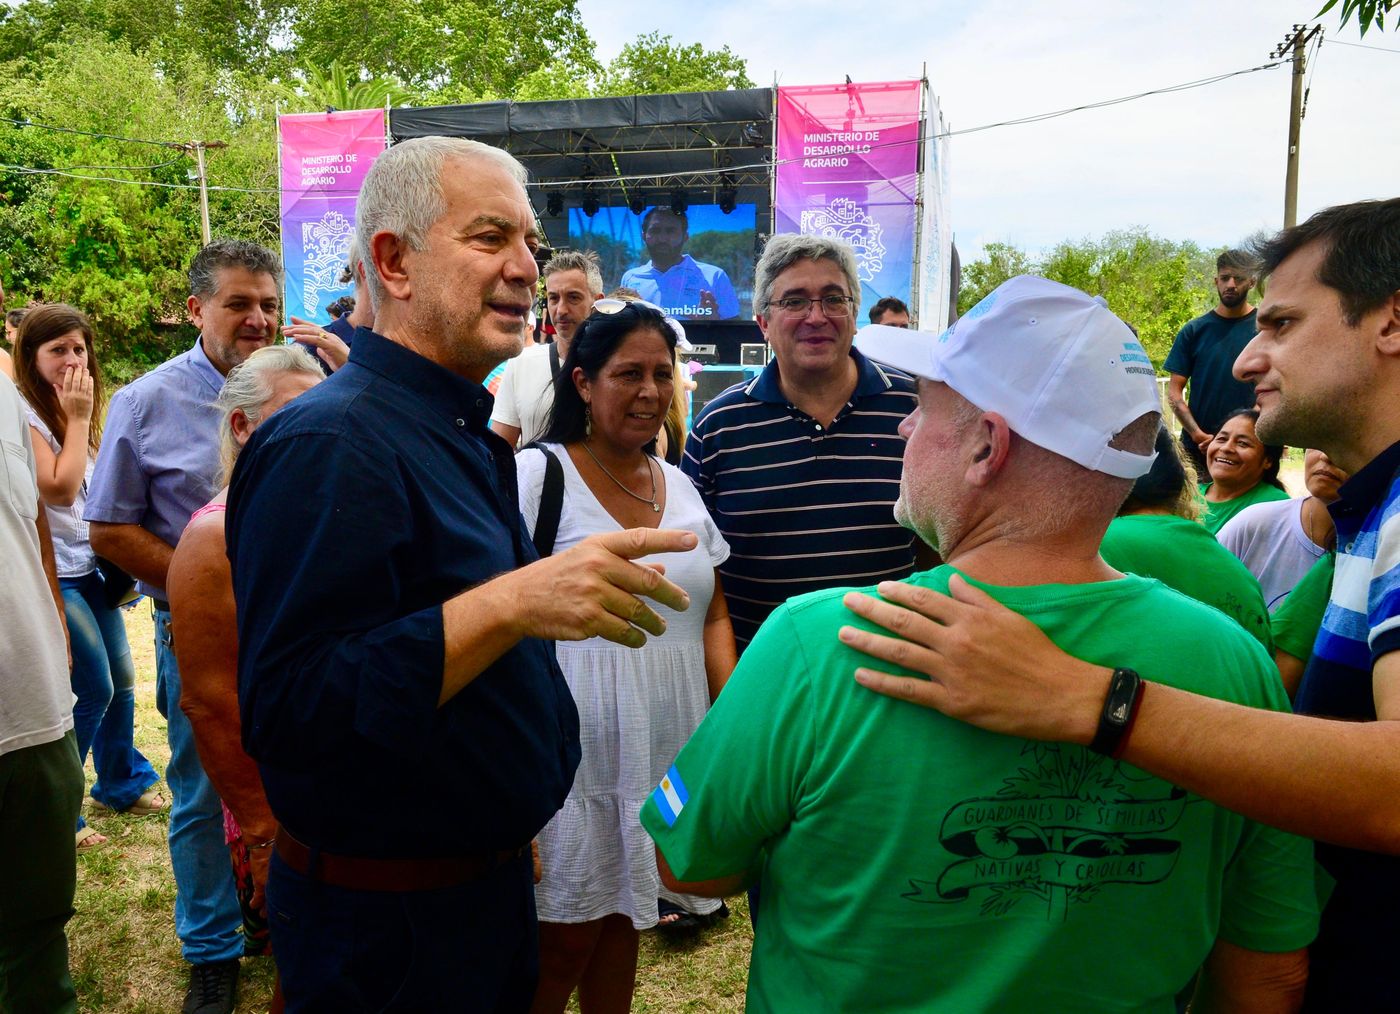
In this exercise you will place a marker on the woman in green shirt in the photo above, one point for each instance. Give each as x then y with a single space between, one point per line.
1158 534
1243 471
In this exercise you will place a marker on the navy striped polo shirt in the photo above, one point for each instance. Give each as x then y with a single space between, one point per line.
802 506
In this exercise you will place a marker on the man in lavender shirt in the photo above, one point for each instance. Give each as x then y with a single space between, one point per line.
157 466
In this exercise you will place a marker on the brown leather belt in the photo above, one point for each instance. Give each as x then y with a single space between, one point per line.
399 875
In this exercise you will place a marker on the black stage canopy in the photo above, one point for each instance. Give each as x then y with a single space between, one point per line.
716 139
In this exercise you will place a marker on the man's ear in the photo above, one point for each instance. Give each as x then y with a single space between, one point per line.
388 253
1388 340
196 311
990 445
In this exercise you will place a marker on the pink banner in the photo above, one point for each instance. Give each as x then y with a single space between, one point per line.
848 160
324 158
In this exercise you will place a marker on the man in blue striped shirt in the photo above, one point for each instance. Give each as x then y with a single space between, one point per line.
800 467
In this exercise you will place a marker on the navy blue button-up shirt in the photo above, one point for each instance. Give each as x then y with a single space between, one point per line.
354 513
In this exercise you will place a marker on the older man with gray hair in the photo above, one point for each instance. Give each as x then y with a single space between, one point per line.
800 466
396 681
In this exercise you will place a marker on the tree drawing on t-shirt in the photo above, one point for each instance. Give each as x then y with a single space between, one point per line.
1062 826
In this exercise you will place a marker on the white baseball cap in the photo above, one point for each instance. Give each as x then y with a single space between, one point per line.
1065 372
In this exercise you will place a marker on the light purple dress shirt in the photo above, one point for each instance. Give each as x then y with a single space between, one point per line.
159 461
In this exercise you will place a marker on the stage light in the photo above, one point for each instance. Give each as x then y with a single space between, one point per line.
637 204
728 198
590 204
679 201
554 204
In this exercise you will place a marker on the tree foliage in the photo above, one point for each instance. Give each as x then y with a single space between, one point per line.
111 225
1368 12
1154 284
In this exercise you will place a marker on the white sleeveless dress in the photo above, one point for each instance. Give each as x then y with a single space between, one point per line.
637 708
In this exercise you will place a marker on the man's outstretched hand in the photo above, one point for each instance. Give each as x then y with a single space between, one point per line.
595 590
985 664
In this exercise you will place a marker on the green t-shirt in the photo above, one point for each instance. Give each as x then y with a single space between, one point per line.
911 862
1299 617
1183 555
1219 513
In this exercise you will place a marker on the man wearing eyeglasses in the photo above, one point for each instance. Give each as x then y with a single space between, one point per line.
1204 353
800 467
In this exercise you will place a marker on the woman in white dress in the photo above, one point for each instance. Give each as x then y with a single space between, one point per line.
636 707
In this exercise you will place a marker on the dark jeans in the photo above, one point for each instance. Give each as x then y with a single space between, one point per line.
469 948
41 788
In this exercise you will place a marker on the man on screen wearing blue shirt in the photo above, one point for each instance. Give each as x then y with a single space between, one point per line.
674 280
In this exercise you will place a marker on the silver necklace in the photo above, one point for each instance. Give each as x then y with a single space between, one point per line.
655 504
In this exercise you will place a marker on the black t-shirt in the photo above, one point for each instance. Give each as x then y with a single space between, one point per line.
1205 351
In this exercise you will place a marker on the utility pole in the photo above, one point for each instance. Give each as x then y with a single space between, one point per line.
1297 42
198 147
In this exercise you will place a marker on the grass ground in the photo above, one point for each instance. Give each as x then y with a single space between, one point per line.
126 960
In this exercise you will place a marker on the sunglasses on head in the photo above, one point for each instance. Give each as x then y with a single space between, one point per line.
611 306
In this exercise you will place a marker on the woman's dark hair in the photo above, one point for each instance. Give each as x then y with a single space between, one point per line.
1274 452
594 344
1170 484
42 324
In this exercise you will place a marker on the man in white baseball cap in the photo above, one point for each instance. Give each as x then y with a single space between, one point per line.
909 861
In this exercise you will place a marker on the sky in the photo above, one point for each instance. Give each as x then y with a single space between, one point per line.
1205 165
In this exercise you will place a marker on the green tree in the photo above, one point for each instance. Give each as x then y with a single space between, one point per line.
317 88
999 262
119 250
1155 284
466 49
654 64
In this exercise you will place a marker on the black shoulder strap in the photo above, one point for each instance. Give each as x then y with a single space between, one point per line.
551 503
553 361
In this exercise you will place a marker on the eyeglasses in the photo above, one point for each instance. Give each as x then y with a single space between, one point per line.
611 306
831 304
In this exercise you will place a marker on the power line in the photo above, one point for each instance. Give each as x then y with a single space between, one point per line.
90 133
1359 45
1201 83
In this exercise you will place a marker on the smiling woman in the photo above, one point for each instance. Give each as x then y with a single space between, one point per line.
636 708
1243 471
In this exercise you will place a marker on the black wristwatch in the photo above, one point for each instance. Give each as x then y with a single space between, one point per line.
1119 710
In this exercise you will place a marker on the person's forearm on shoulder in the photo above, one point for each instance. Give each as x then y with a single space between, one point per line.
1331 780
144 556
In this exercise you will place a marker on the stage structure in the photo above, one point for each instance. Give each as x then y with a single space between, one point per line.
863 162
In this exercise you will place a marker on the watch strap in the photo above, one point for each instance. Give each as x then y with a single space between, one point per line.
1119 709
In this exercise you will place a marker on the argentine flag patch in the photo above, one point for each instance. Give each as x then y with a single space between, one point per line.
670 796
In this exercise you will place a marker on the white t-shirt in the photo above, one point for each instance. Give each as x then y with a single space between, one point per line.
1270 541
526 394
36 700
72 553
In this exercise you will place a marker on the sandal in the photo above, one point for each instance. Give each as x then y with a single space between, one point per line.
89 838
682 922
150 802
